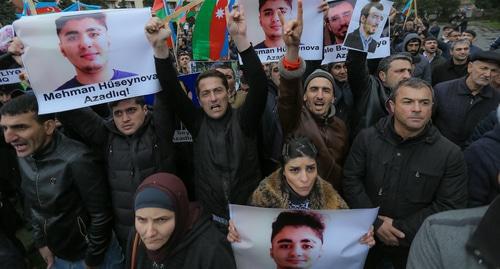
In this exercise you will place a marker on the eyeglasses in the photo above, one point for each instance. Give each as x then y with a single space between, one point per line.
346 15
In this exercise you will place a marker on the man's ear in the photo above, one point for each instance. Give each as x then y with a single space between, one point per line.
49 127
382 76
145 108
469 67
362 19
391 106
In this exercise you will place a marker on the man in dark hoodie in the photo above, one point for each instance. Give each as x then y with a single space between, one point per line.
422 68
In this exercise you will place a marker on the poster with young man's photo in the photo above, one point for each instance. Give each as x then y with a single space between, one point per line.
285 238
265 32
367 24
84 58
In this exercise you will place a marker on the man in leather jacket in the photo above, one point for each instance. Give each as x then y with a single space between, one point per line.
66 192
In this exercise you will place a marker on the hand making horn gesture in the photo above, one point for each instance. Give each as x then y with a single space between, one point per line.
292 31
237 26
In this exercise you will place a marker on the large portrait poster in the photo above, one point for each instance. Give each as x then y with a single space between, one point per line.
265 33
84 58
367 24
300 238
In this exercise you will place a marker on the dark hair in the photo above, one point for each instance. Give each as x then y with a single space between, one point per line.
184 53
25 103
430 38
296 147
222 65
385 63
262 2
414 83
449 26
99 17
365 11
140 100
299 218
472 32
208 74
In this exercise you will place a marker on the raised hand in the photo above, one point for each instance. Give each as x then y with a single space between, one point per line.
292 30
237 26
157 33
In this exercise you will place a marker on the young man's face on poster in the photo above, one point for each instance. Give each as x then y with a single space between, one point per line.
296 247
370 23
268 17
84 42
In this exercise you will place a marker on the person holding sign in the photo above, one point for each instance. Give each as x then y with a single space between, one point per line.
361 38
270 22
170 232
84 41
225 139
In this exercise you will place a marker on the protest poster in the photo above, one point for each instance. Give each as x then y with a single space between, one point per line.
269 236
84 58
367 24
265 33
10 76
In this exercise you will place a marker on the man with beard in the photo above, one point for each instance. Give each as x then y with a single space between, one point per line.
422 68
361 38
462 103
343 101
337 20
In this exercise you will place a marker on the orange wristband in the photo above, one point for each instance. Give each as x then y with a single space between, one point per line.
291 65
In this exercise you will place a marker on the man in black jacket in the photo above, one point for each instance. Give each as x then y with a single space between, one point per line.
372 92
65 189
454 68
225 139
407 168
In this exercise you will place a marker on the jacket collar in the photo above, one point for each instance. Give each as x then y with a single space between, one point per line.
328 118
485 92
385 126
49 148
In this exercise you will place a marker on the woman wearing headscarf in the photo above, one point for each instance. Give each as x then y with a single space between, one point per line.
297 185
172 233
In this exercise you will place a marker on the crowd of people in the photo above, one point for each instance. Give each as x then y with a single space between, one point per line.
415 134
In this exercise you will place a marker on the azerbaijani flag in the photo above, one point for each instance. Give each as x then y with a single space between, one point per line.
47 7
210 30
162 12
407 8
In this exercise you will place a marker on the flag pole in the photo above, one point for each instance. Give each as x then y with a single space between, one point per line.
415 6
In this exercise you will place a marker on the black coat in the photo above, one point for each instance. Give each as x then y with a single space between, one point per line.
408 179
483 166
458 112
353 40
370 95
130 159
203 247
69 200
225 149
448 71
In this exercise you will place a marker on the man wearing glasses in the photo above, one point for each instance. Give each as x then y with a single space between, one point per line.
362 37
337 20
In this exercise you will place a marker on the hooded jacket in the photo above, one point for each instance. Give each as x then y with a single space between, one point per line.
328 133
408 179
422 66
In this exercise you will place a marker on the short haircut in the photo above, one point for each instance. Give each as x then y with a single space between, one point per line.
365 11
385 63
262 2
184 53
299 218
472 32
222 65
414 83
140 100
449 26
25 103
100 17
430 38
211 73
459 42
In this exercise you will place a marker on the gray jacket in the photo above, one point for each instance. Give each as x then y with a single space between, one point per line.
446 240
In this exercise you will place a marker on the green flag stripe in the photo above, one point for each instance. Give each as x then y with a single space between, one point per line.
201 35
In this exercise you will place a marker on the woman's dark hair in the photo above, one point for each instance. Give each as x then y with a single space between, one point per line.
299 218
296 147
